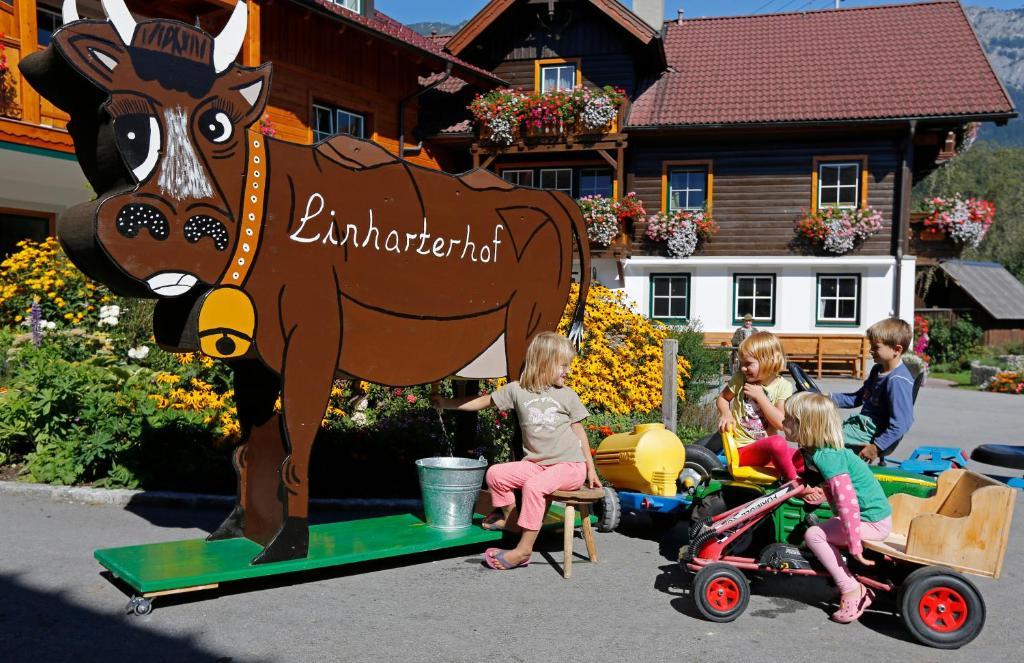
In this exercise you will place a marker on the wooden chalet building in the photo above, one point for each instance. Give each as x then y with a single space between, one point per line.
755 119
339 66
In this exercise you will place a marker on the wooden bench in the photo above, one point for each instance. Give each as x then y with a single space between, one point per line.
832 354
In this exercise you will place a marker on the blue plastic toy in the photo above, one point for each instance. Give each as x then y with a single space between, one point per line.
934 460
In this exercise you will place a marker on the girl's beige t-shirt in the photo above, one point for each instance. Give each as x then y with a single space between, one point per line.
750 423
546 418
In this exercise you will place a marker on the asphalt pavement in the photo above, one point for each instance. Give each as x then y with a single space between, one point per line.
56 605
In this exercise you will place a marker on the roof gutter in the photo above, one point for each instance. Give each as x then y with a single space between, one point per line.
998 118
401 110
903 222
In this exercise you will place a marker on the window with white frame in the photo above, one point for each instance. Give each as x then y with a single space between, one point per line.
330 121
754 296
839 184
838 298
670 297
687 188
557 77
518 176
351 5
556 179
596 182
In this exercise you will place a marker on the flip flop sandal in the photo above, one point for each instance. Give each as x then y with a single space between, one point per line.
492 518
495 556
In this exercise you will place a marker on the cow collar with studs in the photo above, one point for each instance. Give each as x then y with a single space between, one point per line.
251 225
227 317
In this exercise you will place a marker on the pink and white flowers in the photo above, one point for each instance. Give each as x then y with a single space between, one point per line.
966 220
681 230
839 230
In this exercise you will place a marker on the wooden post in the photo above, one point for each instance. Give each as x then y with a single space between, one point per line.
669 389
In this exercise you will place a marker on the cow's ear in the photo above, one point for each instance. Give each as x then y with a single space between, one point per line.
253 86
92 52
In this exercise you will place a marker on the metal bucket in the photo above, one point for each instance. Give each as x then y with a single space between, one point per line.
450 487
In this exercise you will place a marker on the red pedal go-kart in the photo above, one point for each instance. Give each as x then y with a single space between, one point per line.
932 544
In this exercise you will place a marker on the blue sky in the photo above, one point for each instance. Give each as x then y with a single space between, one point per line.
454 11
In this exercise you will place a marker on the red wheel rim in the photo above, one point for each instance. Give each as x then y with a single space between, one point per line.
943 609
722 594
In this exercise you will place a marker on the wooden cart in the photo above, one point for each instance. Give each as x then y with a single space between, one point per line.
963 528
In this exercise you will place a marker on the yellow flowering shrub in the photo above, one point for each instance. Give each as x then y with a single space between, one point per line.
218 409
41 270
619 367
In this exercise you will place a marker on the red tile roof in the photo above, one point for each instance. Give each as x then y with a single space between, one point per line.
896 61
388 27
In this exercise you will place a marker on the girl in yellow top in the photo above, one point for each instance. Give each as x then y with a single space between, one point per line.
753 402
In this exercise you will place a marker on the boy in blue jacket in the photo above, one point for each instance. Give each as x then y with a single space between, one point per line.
887 396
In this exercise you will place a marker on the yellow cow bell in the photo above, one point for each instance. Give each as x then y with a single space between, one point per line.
227 323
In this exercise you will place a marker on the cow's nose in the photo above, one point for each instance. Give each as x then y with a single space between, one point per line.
136 216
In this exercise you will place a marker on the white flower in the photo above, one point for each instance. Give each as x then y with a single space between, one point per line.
46 324
109 320
111 311
140 352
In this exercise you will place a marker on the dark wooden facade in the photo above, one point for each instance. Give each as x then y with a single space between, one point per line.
609 55
761 182
761 178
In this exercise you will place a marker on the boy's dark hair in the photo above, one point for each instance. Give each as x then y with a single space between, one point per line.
891 332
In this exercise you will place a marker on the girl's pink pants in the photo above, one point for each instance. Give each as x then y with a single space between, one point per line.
824 539
536 481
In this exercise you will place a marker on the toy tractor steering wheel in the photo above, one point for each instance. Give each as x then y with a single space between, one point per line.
800 377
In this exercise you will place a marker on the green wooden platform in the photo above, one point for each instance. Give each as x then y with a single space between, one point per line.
195 563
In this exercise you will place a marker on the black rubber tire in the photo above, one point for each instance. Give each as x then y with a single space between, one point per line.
608 511
721 592
714 504
932 589
702 461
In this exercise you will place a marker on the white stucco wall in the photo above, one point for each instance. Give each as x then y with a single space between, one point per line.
711 287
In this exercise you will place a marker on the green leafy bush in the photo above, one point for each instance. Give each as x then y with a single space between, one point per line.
952 343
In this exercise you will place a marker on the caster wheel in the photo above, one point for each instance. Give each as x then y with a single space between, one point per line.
140 606
721 592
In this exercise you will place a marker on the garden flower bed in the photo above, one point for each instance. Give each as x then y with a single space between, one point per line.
89 398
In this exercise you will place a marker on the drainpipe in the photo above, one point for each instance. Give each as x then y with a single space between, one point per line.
906 186
401 111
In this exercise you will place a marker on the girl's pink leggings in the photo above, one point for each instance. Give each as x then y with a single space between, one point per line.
773 449
824 539
537 482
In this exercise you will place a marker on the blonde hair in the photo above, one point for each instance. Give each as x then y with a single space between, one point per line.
816 421
767 350
546 352
891 332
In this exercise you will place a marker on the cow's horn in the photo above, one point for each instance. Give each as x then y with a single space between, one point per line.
118 14
70 11
229 42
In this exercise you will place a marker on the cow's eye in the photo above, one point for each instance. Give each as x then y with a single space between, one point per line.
215 125
138 139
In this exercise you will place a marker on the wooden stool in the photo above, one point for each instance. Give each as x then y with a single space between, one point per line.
573 499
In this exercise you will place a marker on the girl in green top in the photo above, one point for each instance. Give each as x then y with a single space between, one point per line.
854 493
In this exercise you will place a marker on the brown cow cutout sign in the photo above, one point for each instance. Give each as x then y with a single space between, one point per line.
295 264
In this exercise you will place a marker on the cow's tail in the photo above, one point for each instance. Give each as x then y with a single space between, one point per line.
579 228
